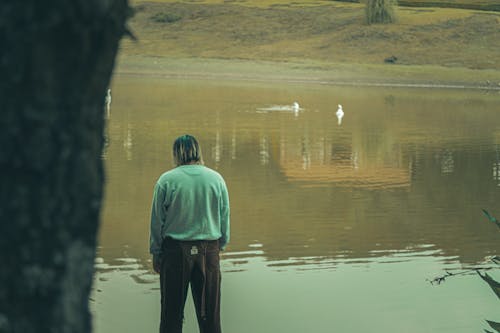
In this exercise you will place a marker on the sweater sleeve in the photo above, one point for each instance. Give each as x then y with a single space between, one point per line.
157 220
225 219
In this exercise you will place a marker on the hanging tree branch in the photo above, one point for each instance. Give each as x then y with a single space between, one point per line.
496 259
440 279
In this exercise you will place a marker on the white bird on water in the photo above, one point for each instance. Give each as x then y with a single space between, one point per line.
340 114
296 108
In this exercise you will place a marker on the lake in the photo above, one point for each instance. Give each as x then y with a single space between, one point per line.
336 227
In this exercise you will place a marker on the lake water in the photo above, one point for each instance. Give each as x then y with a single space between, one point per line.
335 227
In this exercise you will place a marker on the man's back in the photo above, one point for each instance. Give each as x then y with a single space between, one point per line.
192 203
195 200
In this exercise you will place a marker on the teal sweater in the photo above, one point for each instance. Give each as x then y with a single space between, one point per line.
190 202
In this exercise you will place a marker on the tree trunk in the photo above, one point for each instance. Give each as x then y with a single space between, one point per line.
56 59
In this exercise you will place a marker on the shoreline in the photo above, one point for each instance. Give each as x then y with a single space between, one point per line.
309 72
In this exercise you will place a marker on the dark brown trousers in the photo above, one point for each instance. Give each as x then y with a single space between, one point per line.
194 263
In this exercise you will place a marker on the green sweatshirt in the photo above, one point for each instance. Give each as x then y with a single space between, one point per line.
190 202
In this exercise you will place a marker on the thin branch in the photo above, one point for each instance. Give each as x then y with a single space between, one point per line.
491 218
440 279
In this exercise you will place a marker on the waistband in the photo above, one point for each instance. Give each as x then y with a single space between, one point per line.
169 242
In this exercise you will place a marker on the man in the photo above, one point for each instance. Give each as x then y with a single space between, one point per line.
189 226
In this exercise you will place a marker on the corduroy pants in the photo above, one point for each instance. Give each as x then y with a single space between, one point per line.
194 263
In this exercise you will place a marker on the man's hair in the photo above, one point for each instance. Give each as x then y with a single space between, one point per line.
186 150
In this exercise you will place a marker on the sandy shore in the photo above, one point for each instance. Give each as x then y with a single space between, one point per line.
308 71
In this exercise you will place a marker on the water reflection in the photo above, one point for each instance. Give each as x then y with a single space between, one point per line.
393 194
238 261
233 144
107 103
393 178
496 166
264 150
126 295
294 108
446 161
127 142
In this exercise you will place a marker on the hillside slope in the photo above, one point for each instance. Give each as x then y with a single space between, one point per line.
327 31
314 40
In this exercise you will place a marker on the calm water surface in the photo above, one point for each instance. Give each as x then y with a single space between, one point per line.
335 227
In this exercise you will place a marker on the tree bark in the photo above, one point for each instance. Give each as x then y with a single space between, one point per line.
56 60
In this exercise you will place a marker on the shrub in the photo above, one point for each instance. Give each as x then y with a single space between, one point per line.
380 11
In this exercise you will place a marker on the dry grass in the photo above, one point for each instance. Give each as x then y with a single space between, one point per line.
308 71
248 3
321 31
312 40
470 4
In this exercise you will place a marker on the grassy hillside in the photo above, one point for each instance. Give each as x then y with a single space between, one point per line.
312 40
324 31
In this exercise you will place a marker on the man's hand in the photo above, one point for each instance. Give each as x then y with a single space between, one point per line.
157 263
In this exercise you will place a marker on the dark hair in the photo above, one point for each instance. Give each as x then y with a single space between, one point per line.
186 150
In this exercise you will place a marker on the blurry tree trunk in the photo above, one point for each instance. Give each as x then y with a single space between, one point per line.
56 59
380 11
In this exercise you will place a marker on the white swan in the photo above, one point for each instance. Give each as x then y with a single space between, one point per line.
295 108
340 114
